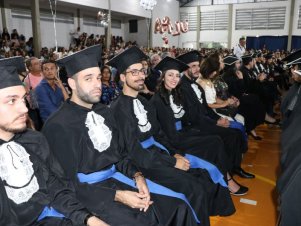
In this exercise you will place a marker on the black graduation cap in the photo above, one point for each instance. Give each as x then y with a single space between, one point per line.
247 58
268 56
126 58
81 60
229 60
189 57
17 62
9 71
169 63
259 54
293 56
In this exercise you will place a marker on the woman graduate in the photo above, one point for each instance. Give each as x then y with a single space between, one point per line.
167 102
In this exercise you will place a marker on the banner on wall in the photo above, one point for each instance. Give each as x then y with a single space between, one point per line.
166 27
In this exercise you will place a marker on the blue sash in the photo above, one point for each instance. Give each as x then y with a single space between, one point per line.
151 141
241 127
153 187
49 212
178 125
215 174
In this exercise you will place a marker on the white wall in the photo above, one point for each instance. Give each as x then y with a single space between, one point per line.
216 36
236 34
141 36
130 7
166 8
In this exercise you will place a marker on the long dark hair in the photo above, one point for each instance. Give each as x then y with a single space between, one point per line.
209 65
164 93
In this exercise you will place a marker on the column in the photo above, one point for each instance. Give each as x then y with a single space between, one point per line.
36 28
290 25
109 29
230 20
198 26
3 15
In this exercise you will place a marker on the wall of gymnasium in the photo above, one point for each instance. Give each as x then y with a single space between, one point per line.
190 39
91 7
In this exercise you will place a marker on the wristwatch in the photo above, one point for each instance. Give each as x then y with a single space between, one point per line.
87 218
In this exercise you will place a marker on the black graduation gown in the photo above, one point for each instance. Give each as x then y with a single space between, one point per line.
51 191
210 148
250 105
205 197
291 136
198 116
289 186
266 90
288 114
72 137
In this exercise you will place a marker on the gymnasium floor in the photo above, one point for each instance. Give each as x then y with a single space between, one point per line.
262 159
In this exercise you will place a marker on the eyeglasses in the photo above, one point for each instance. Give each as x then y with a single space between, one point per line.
135 72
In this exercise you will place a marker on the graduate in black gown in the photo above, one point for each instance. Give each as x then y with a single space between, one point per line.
84 138
259 85
137 120
250 105
293 62
170 114
288 183
204 119
31 192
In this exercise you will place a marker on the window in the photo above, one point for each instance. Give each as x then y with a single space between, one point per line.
191 18
299 20
260 18
214 20
45 15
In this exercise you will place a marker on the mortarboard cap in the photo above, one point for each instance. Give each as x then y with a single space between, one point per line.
229 60
292 57
17 62
189 57
169 63
247 58
10 68
268 56
81 60
127 58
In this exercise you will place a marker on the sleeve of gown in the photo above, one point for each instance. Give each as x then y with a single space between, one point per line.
61 144
61 191
141 156
193 114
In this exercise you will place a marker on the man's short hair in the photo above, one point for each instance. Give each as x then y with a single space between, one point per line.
48 62
28 61
242 38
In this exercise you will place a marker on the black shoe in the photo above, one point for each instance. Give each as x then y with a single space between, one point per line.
255 137
241 191
240 172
